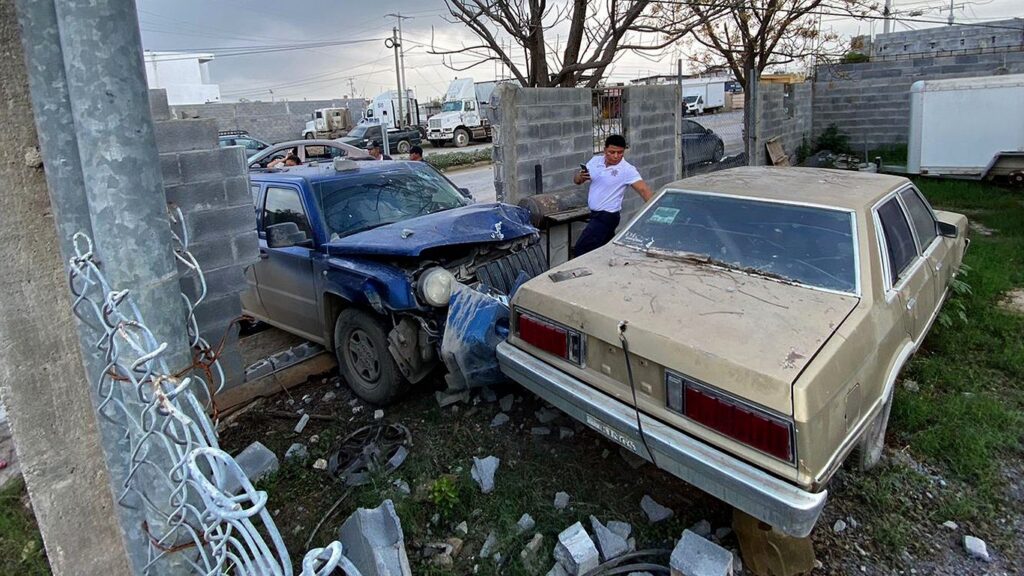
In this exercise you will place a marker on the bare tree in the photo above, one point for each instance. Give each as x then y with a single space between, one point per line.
761 33
596 33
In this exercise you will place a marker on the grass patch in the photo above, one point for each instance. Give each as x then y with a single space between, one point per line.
444 161
21 547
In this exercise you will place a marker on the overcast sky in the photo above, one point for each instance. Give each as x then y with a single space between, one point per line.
230 27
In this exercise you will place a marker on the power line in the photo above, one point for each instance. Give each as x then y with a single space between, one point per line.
238 51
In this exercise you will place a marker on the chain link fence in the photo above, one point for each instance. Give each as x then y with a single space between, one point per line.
607 115
202 514
712 142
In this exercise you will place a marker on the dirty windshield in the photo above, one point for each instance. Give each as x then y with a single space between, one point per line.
808 245
455 106
362 201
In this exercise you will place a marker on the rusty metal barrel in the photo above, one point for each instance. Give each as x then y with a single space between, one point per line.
546 209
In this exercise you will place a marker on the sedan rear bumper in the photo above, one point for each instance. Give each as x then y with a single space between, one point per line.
763 496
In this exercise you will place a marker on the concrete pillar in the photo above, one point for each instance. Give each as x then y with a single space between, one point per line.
42 383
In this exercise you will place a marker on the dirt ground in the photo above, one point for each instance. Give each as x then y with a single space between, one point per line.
600 481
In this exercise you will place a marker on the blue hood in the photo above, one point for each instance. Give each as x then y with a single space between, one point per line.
474 224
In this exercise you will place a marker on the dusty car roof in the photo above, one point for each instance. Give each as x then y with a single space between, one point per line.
839 188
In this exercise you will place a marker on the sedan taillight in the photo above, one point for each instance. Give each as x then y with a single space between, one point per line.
550 337
730 417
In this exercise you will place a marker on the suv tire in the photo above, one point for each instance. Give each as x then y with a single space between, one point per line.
871 445
404 146
361 347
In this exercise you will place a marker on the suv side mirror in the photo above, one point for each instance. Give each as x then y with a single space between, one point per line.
284 235
466 193
948 230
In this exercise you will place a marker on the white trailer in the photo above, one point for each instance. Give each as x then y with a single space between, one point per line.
464 115
702 95
383 109
967 128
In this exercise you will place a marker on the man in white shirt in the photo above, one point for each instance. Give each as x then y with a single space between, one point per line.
609 176
375 150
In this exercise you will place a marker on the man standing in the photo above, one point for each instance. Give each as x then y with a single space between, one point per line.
609 176
375 150
416 154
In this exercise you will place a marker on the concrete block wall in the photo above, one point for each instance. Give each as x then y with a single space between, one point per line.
870 101
269 121
211 186
784 111
998 33
549 127
651 123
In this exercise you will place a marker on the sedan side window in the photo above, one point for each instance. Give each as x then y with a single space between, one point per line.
691 127
921 215
285 205
899 241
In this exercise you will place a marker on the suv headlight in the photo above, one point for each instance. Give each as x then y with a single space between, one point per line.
435 286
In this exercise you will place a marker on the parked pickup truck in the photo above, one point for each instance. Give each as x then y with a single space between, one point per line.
745 330
400 140
362 257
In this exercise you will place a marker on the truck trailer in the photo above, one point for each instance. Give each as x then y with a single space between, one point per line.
969 128
465 114
702 95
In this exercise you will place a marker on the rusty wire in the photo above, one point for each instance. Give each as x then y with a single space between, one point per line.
201 512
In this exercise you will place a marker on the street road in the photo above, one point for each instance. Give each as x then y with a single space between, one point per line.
479 180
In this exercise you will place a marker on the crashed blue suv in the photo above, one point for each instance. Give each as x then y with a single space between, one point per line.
362 257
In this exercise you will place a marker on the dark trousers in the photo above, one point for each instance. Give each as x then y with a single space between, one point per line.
599 231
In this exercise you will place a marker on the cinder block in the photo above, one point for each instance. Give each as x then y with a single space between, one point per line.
169 168
212 255
185 135
238 191
158 108
197 196
246 248
212 224
214 164
214 315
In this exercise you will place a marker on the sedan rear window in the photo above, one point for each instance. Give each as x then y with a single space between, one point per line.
804 244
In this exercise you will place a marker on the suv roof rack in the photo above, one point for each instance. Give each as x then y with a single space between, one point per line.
233 133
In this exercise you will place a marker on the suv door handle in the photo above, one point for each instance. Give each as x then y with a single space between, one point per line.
938 266
911 303
264 255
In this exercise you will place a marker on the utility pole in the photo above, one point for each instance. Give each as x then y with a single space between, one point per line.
401 55
396 44
952 7
887 13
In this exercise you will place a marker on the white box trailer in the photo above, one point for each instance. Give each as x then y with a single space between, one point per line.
967 128
702 95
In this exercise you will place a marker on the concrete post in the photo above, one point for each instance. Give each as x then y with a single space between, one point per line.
42 383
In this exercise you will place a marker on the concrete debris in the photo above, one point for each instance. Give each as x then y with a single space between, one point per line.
951 525
530 555
256 461
296 452
697 556
488 394
610 544
402 486
462 528
314 438
506 402
489 545
976 548
557 570
655 512
500 419
851 522
547 415
631 458
561 500
320 464
565 433
605 453
329 396
623 529
373 541
483 472
911 386
839 527
445 399
702 528
302 424
722 532
540 431
443 553
575 551
378 414
525 524
737 562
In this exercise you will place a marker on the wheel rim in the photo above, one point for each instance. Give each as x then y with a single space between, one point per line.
363 357
403 147
461 139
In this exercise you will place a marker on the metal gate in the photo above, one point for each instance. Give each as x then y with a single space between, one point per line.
607 114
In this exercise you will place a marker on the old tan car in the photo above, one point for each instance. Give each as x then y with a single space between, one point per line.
756 318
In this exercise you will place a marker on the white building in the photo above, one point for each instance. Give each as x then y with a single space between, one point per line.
185 76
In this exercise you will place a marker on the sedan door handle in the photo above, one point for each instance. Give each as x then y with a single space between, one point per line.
911 303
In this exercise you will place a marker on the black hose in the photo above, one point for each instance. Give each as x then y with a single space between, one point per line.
619 566
632 387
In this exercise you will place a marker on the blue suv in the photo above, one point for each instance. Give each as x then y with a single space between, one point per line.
362 257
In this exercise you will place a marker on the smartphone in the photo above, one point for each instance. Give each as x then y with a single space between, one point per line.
583 168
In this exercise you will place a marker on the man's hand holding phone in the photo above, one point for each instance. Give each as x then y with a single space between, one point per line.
583 175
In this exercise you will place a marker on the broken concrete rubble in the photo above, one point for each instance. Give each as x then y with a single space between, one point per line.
483 472
296 452
489 545
557 570
697 556
374 542
575 551
547 415
256 460
540 431
302 424
500 419
610 544
506 402
976 547
701 528
525 524
565 433
445 399
530 555
655 512
561 500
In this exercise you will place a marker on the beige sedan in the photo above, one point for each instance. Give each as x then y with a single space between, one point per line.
745 330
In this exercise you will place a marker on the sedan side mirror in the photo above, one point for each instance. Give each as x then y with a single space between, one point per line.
948 230
284 235
466 193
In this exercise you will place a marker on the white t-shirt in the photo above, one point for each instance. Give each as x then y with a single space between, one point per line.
609 183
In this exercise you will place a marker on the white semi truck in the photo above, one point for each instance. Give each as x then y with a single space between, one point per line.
702 95
968 128
383 109
328 124
465 114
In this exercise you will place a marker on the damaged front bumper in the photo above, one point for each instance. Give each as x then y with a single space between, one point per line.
763 496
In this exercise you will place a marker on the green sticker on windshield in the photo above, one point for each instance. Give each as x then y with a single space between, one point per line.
664 215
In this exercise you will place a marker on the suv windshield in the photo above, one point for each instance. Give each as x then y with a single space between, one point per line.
452 107
363 201
803 244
